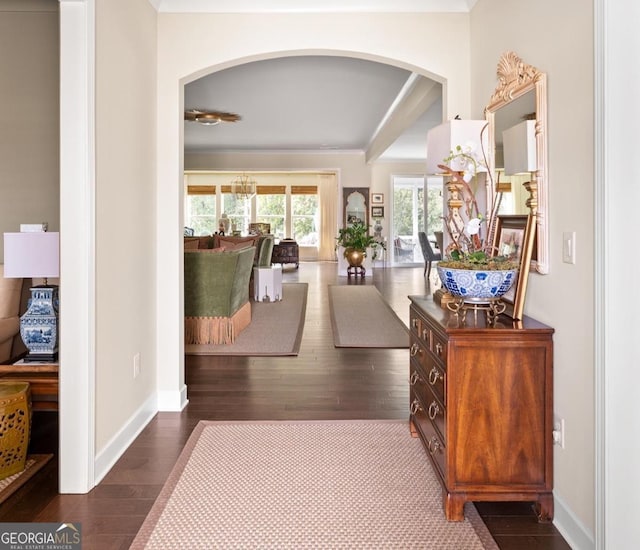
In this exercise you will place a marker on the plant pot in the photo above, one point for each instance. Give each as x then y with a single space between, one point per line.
354 257
477 285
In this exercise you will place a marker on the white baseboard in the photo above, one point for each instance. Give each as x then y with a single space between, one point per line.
120 442
570 527
172 401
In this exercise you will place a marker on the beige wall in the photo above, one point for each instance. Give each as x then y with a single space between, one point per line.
565 297
125 211
29 115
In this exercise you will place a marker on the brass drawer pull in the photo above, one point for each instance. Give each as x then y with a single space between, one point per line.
434 445
415 406
433 410
425 334
414 378
415 348
439 348
434 376
414 322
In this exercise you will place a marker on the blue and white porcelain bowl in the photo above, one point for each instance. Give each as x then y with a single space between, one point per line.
477 285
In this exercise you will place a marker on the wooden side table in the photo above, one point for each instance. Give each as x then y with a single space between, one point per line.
43 379
285 252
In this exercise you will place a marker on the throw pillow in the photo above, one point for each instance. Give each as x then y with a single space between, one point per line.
236 243
191 243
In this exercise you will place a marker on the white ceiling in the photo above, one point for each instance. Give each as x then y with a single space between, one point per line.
316 103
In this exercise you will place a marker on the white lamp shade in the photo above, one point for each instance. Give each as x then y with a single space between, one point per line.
519 148
34 254
443 139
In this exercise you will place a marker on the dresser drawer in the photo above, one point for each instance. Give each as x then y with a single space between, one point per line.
439 348
433 408
428 382
420 330
431 372
434 445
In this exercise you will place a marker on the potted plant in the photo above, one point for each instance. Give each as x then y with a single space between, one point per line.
470 270
355 239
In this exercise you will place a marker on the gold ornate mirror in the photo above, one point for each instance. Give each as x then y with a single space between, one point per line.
521 95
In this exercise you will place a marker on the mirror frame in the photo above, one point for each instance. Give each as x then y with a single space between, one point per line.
516 78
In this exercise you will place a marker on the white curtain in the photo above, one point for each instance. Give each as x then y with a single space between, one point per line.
328 206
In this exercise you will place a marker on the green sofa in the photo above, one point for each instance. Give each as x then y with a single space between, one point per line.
216 294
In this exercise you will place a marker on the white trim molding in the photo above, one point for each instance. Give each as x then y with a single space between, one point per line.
173 401
570 527
313 6
113 450
77 246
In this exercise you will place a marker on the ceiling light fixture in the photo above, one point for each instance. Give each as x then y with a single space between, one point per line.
210 118
243 187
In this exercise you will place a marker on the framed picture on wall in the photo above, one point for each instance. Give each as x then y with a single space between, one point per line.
377 211
515 237
377 198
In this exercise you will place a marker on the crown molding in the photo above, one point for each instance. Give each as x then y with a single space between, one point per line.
313 6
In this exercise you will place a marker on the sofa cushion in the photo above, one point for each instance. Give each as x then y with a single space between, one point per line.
191 243
236 243
199 243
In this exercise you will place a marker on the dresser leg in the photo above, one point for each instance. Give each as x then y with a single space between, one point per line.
544 508
412 429
453 506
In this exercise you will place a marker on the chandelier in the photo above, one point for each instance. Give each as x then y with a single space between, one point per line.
243 187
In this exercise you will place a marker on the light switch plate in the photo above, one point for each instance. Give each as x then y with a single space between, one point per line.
569 247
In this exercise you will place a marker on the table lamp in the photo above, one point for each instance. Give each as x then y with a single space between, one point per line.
36 255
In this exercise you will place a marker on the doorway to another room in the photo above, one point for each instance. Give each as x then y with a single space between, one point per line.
414 211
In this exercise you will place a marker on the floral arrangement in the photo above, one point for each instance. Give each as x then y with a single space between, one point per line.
468 248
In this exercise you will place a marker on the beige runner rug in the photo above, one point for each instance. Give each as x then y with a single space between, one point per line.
360 318
275 330
305 485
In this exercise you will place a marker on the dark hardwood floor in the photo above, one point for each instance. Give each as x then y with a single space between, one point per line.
322 382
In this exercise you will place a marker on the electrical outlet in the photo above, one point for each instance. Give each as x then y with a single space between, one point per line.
558 432
569 247
136 365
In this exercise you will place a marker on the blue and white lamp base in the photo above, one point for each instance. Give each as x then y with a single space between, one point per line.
39 325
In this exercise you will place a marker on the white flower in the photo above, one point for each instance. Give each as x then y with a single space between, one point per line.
473 226
467 175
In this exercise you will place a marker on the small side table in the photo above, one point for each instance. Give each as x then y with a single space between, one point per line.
43 380
285 252
267 283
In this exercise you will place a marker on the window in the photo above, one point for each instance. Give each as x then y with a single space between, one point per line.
271 208
237 209
304 214
200 209
288 201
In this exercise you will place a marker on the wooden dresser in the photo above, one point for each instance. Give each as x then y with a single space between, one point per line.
482 403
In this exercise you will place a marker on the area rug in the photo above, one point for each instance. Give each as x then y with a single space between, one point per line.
275 329
11 484
360 318
305 485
